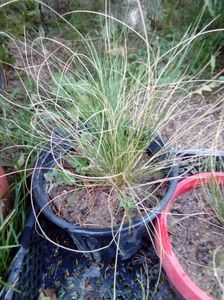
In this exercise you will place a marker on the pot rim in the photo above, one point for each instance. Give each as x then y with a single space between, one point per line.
186 287
5 199
41 199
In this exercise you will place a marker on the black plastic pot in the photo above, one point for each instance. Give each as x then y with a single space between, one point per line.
88 239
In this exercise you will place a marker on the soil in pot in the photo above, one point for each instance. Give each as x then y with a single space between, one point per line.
195 234
98 206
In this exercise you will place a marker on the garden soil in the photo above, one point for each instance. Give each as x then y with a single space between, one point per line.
99 206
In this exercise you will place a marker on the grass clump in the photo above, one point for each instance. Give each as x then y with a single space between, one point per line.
215 197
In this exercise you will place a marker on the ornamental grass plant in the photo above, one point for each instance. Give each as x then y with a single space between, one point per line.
97 109
106 106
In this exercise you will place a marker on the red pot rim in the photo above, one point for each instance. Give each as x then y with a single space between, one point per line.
6 204
177 276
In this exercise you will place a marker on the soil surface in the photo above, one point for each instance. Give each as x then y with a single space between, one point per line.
195 234
196 123
100 206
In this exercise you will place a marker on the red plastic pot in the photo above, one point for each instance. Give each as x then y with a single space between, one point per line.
5 201
177 276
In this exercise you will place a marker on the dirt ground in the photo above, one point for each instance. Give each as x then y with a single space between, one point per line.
199 124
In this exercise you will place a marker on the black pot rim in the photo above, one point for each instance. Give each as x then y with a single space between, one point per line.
41 198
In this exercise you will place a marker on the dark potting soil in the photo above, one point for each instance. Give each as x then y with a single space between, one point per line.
195 234
99 206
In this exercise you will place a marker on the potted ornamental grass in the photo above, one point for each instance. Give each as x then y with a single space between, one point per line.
105 174
102 172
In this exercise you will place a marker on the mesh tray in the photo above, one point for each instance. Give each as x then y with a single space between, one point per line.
41 265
